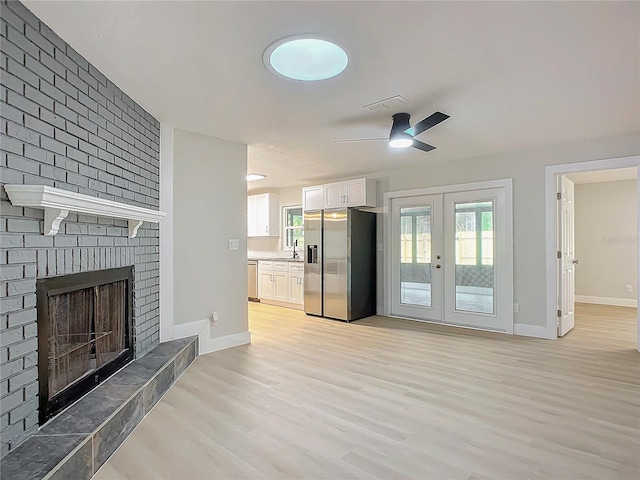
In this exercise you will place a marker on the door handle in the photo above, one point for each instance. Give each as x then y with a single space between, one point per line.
436 266
575 262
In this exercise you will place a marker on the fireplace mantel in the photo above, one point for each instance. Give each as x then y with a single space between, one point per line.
57 204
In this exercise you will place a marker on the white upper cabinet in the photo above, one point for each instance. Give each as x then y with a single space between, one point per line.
252 215
350 193
312 198
263 215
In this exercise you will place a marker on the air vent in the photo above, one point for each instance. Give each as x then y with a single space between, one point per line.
386 104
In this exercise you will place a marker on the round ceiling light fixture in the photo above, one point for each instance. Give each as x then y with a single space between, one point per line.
307 58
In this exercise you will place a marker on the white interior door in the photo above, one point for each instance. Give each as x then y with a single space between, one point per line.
478 290
566 254
416 245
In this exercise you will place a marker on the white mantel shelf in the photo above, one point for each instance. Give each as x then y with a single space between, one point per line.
58 203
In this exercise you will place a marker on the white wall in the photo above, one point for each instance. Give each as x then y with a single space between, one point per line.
527 169
606 239
209 208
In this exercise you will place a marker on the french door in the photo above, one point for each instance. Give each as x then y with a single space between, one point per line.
417 266
451 259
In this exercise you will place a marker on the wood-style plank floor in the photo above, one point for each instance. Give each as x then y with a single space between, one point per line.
387 398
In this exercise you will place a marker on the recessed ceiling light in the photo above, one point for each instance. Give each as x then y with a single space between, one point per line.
255 176
306 57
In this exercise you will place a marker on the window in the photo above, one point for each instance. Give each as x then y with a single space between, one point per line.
293 226
415 247
474 233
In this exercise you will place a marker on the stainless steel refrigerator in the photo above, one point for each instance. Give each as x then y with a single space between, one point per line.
340 263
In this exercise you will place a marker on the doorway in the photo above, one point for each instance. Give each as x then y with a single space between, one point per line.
562 261
451 255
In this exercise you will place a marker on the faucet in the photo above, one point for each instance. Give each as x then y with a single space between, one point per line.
295 254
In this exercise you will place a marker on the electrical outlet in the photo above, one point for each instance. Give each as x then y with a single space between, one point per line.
380 247
628 288
516 308
234 244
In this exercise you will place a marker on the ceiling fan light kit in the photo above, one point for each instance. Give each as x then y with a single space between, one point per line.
403 134
401 142
398 138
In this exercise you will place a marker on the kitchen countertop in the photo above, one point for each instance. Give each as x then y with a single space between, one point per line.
275 259
274 256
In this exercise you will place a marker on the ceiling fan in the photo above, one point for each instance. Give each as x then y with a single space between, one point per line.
403 135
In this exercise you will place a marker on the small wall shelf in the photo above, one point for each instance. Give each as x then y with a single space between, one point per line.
57 204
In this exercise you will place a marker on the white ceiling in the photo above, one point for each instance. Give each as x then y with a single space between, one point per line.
512 75
604 175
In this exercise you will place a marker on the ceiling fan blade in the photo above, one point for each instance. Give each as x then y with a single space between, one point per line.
427 123
425 147
352 140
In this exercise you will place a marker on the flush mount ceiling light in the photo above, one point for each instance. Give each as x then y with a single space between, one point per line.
255 176
307 58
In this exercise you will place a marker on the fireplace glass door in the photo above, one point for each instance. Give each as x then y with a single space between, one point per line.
84 333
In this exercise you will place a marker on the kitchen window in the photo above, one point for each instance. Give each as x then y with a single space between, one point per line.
293 226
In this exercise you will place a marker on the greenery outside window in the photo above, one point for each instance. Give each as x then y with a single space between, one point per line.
293 227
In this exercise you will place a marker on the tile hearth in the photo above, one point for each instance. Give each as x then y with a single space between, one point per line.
77 442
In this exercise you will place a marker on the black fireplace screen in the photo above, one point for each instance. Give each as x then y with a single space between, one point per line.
84 333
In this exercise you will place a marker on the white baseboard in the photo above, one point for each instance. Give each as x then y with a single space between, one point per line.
229 341
617 302
533 331
189 329
206 344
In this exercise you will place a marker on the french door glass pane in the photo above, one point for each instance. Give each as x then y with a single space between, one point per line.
474 250
415 255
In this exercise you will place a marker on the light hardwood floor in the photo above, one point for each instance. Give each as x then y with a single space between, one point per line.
387 398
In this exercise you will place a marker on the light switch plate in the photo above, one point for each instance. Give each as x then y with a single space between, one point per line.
234 243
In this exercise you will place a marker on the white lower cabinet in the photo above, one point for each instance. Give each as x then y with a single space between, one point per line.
265 284
280 291
281 281
296 283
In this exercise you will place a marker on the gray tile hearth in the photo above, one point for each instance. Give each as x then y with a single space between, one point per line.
117 429
104 401
77 442
39 455
157 386
184 359
139 372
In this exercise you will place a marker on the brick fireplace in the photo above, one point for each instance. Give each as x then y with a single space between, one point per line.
65 125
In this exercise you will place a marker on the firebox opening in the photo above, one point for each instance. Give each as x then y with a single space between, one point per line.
84 333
